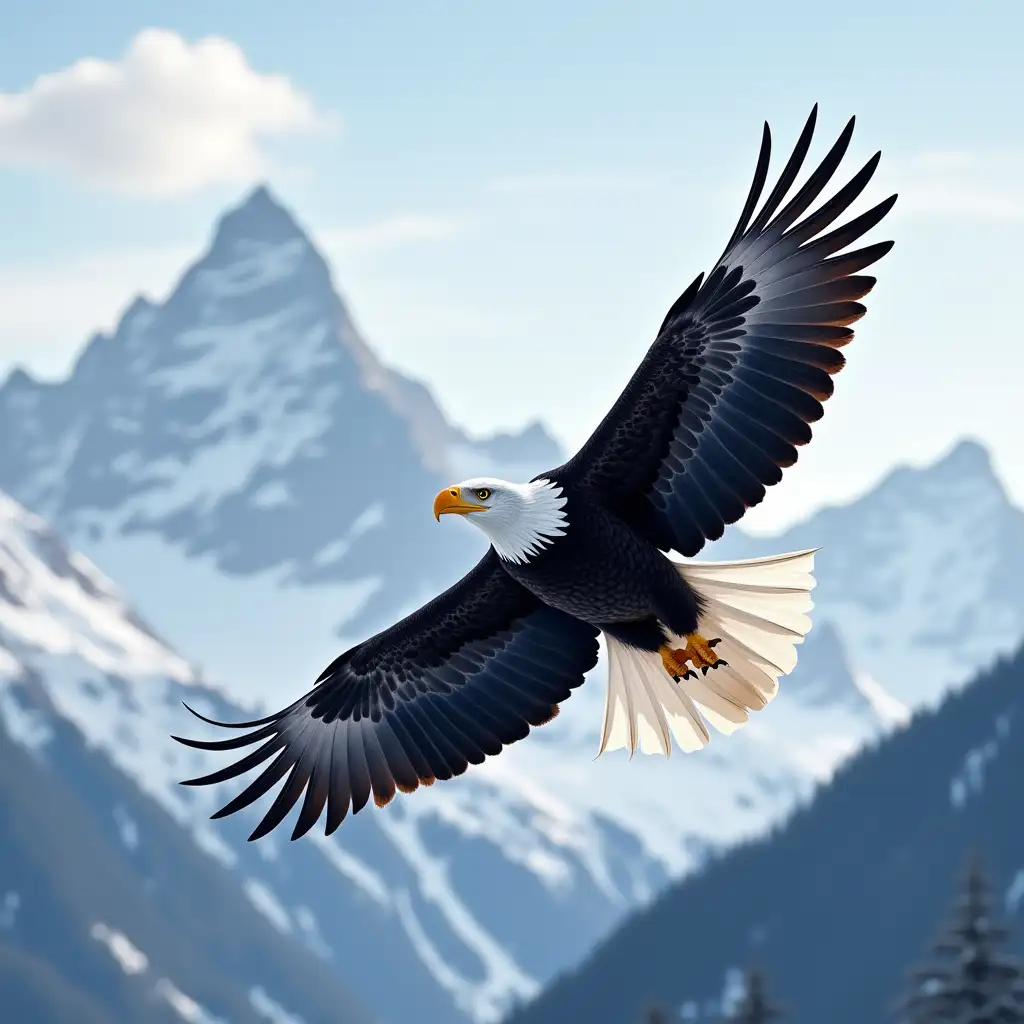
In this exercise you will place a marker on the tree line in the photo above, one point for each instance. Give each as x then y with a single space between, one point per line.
969 978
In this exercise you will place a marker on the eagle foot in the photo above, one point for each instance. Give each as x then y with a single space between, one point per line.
700 652
675 664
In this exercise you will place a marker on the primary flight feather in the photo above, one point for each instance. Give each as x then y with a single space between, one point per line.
714 413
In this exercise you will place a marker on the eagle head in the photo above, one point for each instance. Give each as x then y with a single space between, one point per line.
518 519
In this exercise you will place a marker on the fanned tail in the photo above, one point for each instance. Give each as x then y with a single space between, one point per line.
759 608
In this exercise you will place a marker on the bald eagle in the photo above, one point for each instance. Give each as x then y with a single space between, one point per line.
739 369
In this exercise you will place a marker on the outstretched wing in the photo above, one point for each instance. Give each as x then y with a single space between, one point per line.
457 680
741 364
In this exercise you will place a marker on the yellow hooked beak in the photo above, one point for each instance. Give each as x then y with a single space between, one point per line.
450 500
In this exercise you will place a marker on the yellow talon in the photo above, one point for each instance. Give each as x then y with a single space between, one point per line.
672 663
699 651
675 664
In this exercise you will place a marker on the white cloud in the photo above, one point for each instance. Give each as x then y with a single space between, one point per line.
394 231
984 186
170 117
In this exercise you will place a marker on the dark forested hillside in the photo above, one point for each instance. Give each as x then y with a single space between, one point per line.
840 902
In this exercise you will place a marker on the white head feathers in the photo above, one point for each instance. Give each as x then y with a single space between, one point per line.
521 519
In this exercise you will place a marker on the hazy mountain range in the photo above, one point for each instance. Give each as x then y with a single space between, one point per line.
259 487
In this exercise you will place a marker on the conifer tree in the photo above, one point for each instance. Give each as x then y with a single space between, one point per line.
972 982
755 1007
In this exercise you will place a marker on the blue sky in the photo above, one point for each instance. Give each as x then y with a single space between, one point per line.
512 195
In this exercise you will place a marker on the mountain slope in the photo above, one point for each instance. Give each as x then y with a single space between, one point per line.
102 885
33 990
98 929
836 905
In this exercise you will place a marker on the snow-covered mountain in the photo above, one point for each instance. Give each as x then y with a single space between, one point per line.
259 485
118 901
921 577
239 446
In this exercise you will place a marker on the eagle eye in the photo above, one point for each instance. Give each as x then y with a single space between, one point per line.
482 494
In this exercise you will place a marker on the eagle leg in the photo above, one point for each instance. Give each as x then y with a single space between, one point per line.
699 651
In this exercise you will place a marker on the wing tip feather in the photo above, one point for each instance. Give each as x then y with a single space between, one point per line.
230 725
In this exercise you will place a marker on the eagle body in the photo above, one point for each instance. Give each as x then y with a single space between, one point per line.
602 572
716 410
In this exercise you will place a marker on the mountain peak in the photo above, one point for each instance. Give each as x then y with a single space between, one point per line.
963 475
18 380
140 306
260 194
259 218
966 457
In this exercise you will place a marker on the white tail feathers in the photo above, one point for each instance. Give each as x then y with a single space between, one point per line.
759 609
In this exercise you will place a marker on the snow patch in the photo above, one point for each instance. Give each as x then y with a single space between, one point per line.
1015 892
51 607
9 907
450 980
127 828
271 1010
733 991
211 843
130 958
354 869
10 667
894 713
370 518
272 495
187 1008
49 476
24 725
264 900
311 934
970 780
255 264
487 999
